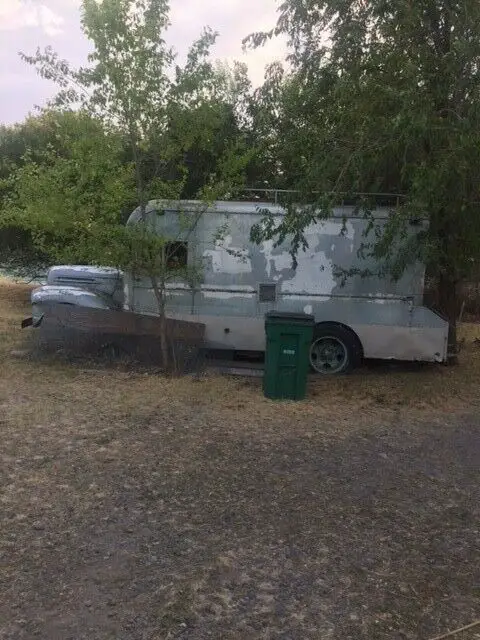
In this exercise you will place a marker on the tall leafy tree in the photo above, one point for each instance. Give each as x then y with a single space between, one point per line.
385 97
132 85
63 175
69 191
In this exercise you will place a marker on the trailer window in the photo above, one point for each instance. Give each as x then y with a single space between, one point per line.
177 255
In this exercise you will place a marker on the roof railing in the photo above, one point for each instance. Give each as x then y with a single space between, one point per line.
276 194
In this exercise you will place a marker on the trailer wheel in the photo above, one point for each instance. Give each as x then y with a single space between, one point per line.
335 349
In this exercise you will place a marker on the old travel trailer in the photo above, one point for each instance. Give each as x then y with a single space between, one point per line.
240 281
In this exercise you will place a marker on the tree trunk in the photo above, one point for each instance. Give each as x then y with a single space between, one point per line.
158 288
449 306
164 342
160 297
444 234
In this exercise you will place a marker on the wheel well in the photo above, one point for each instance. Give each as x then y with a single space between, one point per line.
344 327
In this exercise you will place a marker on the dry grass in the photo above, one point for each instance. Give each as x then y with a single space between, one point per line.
374 392
136 506
14 306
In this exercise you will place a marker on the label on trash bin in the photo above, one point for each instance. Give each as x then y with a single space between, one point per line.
288 352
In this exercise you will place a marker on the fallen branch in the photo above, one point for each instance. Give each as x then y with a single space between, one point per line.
454 633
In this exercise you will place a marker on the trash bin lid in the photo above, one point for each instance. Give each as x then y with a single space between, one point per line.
290 317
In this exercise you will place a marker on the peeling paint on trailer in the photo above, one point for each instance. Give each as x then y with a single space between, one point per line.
314 274
228 297
226 258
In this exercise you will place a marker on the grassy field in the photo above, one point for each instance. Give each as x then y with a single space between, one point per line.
372 391
136 506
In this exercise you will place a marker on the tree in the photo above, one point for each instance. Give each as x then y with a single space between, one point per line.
62 197
164 111
385 97
67 179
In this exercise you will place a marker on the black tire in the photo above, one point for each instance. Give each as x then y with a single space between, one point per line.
343 346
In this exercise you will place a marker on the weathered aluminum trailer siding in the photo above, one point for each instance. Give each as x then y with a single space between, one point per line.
242 281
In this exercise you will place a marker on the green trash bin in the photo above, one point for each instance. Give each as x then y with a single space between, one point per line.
289 337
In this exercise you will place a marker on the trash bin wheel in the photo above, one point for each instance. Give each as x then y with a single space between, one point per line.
335 349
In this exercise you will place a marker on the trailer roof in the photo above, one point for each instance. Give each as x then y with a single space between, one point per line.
242 207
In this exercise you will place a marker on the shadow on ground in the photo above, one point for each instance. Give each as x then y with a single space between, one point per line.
149 531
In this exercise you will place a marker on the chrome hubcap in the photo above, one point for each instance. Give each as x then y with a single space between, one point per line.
328 355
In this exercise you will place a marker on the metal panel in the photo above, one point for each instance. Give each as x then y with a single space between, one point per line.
332 245
425 344
379 341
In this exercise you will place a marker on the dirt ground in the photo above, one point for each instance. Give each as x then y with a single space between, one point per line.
135 507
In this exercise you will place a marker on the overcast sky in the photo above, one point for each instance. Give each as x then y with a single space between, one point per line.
26 24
